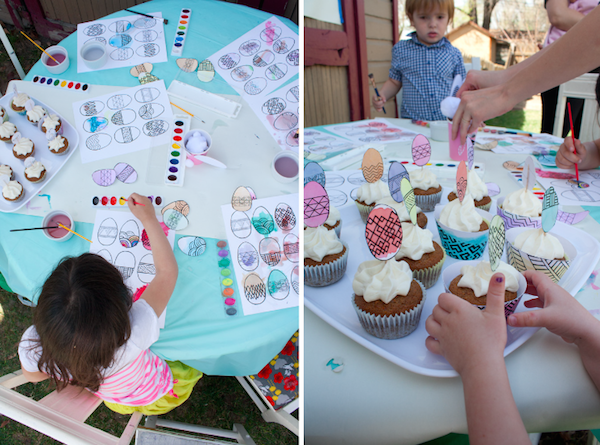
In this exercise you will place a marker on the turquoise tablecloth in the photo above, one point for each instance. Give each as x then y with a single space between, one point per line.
197 330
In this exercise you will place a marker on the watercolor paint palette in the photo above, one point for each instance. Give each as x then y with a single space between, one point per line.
537 190
182 29
52 162
61 84
111 201
175 170
227 291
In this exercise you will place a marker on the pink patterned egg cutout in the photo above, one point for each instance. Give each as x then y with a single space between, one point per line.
316 204
421 150
461 180
383 232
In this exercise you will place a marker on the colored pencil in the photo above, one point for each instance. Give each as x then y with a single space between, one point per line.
28 38
573 136
73 232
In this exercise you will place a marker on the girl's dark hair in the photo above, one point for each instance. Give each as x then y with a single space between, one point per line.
82 318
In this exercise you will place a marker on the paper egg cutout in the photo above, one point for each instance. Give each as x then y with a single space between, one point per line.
409 199
291 247
187 65
316 204
241 225
461 181
95 124
146 240
107 232
278 285
91 108
106 255
285 217
125 264
270 251
175 220
104 177
229 61
98 141
396 173
529 173
146 270
372 165
118 101
383 232
123 117
295 279
181 206
125 135
129 235
241 199
206 71
496 241
192 245
493 189
255 290
145 67
125 173
263 221
247 256
314 172
549 209
421 150
470 153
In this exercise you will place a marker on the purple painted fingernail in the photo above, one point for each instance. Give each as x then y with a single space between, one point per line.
499 279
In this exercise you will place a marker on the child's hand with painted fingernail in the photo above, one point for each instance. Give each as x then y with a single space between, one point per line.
141 207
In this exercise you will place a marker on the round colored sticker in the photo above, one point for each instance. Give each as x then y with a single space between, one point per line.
227 282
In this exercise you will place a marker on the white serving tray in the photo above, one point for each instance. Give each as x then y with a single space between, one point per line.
332 303
52 162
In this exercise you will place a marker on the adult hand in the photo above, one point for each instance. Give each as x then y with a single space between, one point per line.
566 156
465 335
477 79
378 102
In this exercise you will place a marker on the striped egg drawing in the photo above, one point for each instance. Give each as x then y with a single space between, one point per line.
107 232
98 141
146 270
125 263
278 285
291 247
125 135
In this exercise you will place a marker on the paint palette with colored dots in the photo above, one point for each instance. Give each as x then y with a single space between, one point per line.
538 191
227 290
182 28
121 202
175 170
61 84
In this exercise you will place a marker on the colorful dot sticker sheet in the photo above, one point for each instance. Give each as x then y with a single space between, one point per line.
265 252
129 41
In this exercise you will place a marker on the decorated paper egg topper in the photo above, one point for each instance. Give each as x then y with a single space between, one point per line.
241 199
314 172
316 204
383 232
461 181
549 209
421 150
372 165
496 241
408 194
396 173
529 173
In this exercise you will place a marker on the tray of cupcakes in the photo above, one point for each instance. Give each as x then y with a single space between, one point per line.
36 142
379 279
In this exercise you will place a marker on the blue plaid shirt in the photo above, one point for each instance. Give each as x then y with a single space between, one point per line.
426 73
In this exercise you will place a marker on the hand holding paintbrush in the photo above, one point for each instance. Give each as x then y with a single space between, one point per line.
380 100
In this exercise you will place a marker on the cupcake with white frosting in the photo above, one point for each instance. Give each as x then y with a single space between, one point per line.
333 221
470 281
3 114
51 123
6 170
477 189
368 195
34 170
533 249
58 145
424 256
7 131
23 148
17 103
463 228
428 191
520 208
387 300
325 257
403 215
35 114
12 191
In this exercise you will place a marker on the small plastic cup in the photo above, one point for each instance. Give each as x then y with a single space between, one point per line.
62 57
439 131
285 166
52 219
93 54
192 149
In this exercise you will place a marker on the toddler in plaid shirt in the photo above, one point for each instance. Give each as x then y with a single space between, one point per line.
424 65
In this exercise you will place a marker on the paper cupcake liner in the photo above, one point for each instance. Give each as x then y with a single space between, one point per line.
427 203
364 210
338 229
522 261
511 220
463 245
429 276
485 207
452 271
326 274
22 113
390 327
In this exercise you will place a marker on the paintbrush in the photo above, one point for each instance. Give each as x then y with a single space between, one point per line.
375 88
35 228
165 21
573 136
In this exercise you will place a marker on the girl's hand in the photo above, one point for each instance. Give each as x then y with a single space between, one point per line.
143 212
378 102
566 156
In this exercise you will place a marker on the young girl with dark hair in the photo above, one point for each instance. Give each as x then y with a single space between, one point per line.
88 332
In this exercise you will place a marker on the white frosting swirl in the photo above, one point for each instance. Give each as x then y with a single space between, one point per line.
56 144
478 277
20 99
382 280
12 190
523 202
475 186
23 147
463 216
320 242
7 129
540 244
35 114
423 179
334 216
415 242
371 192
51 122
35 170
399 207
5 170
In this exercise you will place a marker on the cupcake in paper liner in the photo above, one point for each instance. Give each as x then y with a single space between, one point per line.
387 300
17 103
427 203
460 244
476 279
424 256
543 246
325 257
3 114
427 189
368 195
477 189
513 220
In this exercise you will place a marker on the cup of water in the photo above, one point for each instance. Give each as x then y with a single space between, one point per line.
93 53
59 63
285 166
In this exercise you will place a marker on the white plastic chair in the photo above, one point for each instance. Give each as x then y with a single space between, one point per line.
582 87
11 53
60 415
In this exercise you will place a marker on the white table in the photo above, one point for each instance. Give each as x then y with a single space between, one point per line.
374 401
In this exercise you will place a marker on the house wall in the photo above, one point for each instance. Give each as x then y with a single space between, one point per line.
473 43
74 12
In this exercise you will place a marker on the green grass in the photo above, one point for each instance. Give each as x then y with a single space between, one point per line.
217 402
526 120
